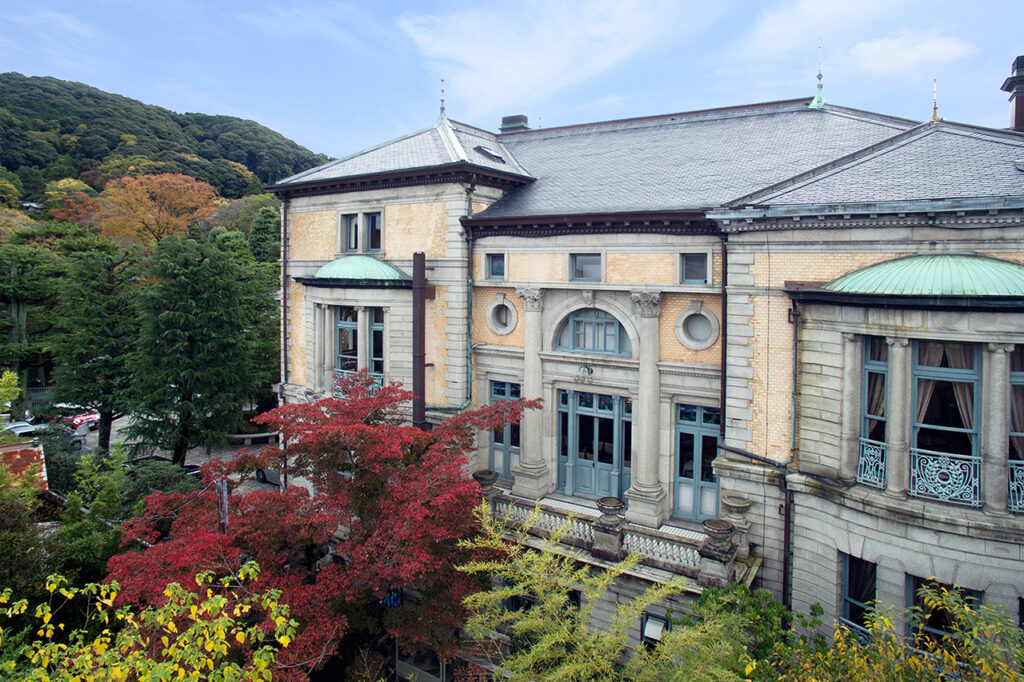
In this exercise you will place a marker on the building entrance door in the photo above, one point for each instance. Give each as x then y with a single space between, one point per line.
595 443
696 447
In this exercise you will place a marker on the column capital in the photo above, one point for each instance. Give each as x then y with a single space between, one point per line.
533 298
999 347
897 341
649 302
849 336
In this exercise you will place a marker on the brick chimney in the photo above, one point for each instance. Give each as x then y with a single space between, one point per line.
1015 86
518 122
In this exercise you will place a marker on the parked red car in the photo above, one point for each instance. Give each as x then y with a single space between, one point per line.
70 415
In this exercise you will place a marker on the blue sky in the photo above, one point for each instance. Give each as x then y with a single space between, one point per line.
338 76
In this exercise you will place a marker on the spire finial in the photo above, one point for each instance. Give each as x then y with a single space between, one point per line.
819 99
935 101
442 97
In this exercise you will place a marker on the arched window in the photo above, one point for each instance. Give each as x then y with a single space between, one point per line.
593 331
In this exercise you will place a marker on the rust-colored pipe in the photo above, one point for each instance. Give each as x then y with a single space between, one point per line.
419 353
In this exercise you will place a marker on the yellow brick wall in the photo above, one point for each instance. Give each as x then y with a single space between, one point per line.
536 267
812 267
436 338
716 269
773 347
296 334
312 234
649 268
415 227
482 299
671 349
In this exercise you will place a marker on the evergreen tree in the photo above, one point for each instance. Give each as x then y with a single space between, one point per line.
196 363
98 329
265 236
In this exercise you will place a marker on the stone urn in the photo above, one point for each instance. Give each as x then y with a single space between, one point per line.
719 532
486 478
735 506
611 509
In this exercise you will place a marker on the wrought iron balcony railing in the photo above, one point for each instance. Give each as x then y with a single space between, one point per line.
1016 472
871 466
339 374
946 477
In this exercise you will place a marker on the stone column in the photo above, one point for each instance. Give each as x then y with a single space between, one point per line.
995 437
363 338
899 409
319 341
849 454
646 495
532 476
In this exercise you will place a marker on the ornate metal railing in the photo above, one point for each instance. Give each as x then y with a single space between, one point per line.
339 374
1016 486
946 477
871 466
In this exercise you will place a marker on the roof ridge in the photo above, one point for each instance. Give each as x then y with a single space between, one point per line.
974 130
456 152
900 138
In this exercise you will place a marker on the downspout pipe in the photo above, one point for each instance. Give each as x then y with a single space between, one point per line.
787 494
284 295
419 354
723 363
469 294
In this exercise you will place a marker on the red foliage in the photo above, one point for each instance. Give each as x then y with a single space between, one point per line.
78 208
402 495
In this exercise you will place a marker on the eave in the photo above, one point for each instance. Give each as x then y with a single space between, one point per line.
1001 304
338 283
676 223
456 172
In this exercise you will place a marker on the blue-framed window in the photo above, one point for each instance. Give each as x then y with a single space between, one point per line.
1016 446
495 266
347 349
586 267
372 227
653 629
376 340
696 486
693 268
874 386
936 624
505 439
595 443
859 579
350 232
593 331
945 462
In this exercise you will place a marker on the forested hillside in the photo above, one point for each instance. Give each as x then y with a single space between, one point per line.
52 129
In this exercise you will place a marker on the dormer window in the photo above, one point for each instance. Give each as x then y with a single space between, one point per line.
490 153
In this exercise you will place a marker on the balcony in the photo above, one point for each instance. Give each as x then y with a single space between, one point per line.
945 477
376 381
871 466
1016 486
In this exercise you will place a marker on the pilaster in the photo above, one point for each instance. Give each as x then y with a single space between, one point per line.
851 415
533 478
898 409
996 437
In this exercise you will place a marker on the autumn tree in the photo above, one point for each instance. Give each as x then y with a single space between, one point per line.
220 630
147 208
199 354
401 496
98 327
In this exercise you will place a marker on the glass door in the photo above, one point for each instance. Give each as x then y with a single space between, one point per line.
696 487
595 443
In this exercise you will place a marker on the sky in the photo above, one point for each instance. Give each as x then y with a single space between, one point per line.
338 77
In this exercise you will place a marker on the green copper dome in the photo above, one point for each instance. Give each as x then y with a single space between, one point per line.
935 275
360 268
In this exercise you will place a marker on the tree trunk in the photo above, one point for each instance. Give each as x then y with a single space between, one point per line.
103 433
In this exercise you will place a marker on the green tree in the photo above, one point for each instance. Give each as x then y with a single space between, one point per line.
22 564
189 636
552 640
197 360
265 236
97 329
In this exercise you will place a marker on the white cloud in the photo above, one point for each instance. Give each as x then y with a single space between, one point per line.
342 24
908 50
506 58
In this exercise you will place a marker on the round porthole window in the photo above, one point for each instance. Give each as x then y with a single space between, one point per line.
697 327
501 316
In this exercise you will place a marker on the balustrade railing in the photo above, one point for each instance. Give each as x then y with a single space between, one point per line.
657 548
871 466
339 374
1016 472
946 477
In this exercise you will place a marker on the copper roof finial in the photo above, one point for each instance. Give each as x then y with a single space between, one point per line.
935 101
819 99
442 97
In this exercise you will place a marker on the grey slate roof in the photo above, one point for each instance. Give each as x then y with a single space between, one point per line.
683 161
934 161
443 143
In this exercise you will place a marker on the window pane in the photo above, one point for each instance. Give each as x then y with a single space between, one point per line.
513 438
347 314
951 355
496 266
859 590
687 413
351 228
695 267
627 444
605 441
878 349
563 434
585 437
586 266
708 451
372 231
949 403
686 445
712 415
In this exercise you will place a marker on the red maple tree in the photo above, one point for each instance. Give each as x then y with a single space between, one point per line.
390 499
